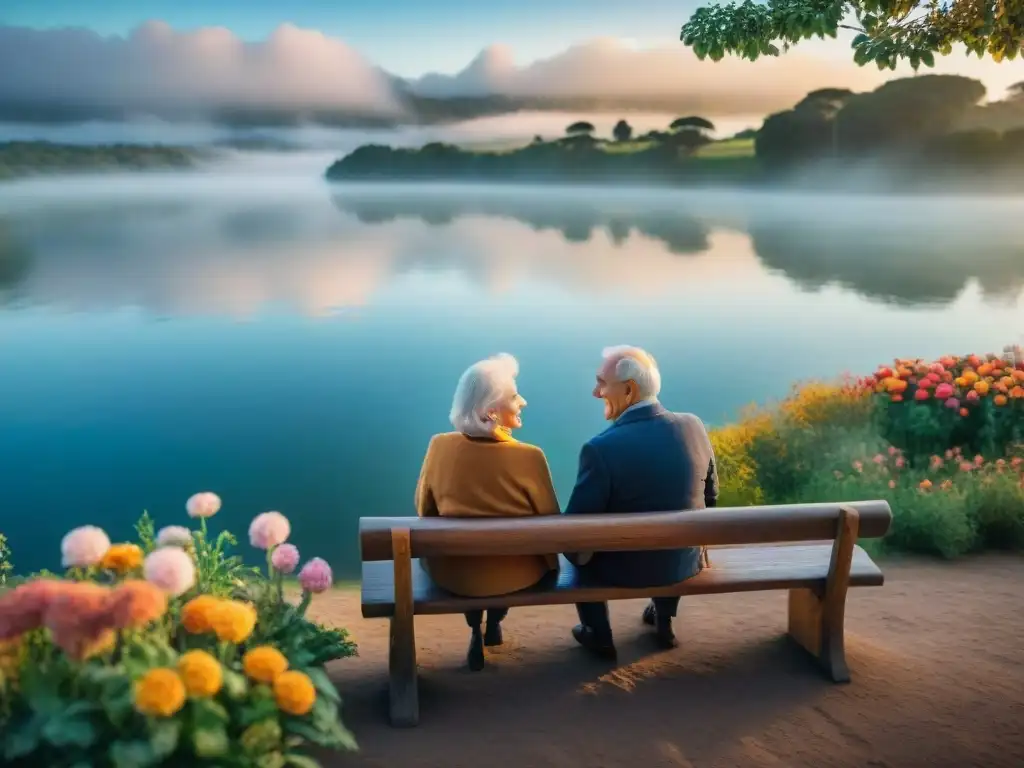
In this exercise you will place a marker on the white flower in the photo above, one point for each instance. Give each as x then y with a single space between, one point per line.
174 536
204 504
84 547
171 569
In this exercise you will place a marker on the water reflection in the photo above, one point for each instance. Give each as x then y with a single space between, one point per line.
909 260
318 253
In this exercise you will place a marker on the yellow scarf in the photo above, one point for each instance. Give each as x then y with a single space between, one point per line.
502 435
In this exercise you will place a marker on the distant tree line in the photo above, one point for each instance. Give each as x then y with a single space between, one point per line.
912 121
22 158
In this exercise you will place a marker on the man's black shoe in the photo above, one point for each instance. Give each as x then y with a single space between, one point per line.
492 635
601 647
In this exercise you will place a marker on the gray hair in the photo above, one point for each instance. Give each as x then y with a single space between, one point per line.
482 387
633 363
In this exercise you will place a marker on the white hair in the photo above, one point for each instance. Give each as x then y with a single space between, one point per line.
481 388
635 364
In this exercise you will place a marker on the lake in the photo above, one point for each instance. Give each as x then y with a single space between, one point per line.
293 346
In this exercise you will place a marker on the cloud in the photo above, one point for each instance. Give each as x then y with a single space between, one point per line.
301 75
607 68
159 70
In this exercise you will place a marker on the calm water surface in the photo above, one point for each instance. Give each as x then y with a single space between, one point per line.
293 347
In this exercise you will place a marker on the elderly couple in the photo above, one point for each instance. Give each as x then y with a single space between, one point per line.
648 460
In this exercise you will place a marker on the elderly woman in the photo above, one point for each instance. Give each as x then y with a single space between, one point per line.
480 470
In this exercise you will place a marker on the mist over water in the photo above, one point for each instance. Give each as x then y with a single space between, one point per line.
515 127
292 345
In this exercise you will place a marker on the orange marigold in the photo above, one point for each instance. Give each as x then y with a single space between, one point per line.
197 613
202 674
264 664
981 387
294 693
999 399
122 558
159 693
233 621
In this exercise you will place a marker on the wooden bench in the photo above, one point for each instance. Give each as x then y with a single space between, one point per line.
395 586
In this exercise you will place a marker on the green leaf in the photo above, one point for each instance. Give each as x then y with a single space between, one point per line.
928 58
300 761
210 741
207 713
132 754
23 738
73 729
164 736
235 685
323 684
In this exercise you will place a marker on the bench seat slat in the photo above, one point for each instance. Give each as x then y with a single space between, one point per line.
733 569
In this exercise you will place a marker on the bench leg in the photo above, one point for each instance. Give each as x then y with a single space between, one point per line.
816 619
403 692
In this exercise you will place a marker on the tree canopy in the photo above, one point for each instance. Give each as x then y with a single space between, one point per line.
888 31
622 131
581 127
692 122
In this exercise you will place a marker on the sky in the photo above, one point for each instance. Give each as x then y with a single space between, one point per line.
407 37
141 55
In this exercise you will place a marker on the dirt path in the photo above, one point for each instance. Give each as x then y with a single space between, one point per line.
935 656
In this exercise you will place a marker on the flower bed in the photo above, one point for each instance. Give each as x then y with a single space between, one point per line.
167 652
942 441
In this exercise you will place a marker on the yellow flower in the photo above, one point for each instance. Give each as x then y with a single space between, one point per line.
160 693
294 693
104 642
264 664
981 387
233 621
122 558
201 673
10 659
196 614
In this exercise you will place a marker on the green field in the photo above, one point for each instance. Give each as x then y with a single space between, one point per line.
728 148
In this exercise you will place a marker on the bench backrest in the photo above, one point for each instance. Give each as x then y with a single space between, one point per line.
594 533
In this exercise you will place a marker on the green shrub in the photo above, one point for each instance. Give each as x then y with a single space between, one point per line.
954 479
6 566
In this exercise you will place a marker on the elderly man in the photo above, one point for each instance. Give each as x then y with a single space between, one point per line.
648 460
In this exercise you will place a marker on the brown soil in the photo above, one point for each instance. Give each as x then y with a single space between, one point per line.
935 657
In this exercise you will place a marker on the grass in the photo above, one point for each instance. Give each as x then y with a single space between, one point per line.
728 148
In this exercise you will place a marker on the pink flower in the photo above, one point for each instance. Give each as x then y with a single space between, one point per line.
857 466
84 547
979 460
900 462
966 466
892 483
949 454
944 391
893 450
879 458
268 530
316 576
205 504
285 558
952 403
174 536
973 395
1016 461
170 569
